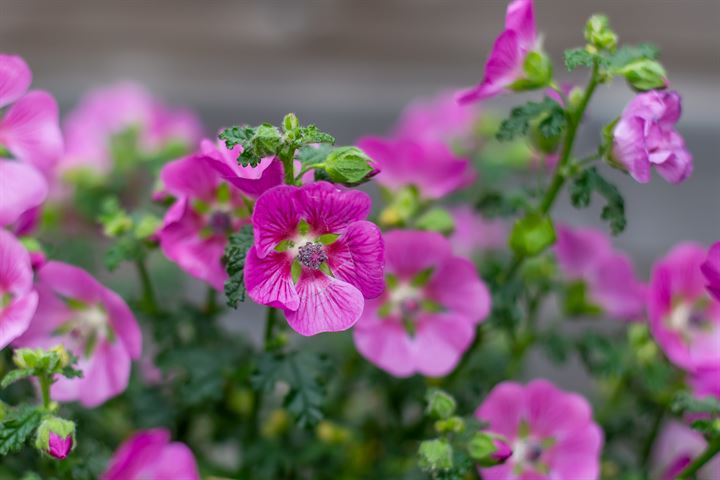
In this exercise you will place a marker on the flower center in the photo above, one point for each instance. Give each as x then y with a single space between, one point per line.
5 299
86 328
220 222
406 298
312 255
687 317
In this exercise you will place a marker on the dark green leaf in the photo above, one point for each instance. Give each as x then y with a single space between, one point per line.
17 427
577 57
234 260
589 181
520 117
311 155
234 136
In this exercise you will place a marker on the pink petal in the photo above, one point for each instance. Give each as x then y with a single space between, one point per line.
123 323
31 131
269 280
500 472
135 454
578 454
630 149
457 287
271 174
71 282
326 304
677 167
578 250
190 176
386 344
521 19
504 408
358 257
15 78
711 270
327 209
16 275
15 318
502 68
275 218
440 341
176 462
22 188
409 252
554 413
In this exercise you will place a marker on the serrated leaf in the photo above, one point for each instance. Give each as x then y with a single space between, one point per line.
311 155
518 122
125 249
234 260
687 403
17 427
632 53
234 136
589 181
494 204
14 375
311 134
577 57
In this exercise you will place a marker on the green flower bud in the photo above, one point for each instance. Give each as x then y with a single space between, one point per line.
599 34
435 455
147 226
488 449
440 404
55 437
436 220
532 234
538 73
27 357
290 122
348 165
453 424
645 74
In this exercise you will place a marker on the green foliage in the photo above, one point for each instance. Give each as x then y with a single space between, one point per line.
348 165
532 234
578 57
589 181
600 354
518 123
234 260
311 155
494 204
632 53
437 220
687 403
17 427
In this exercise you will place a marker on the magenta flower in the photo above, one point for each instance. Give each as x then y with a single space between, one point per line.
505 65
551 432
676 447
586 255
150 455
315 256
93 323
711 270
18 298
29 127
110 111
474 234
428 165
22 190
206 211
645 136
684 318
439 118
59 447
705 382
426 318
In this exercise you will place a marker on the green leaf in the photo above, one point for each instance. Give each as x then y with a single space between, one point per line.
125 249
311 134
629 54
312 155
17 427
589 181
234 260
14 375
494 204
576 301
686 403
437 220
235 136
520 117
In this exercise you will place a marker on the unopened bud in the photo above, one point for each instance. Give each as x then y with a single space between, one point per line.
532 234
56 437
488 450
440 404
645 74
290 122
348 165
599 34
537 68
453 424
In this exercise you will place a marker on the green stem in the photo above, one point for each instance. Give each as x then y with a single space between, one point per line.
45 390
211 305
287 160
148 294
272 315
307 168
650 440
712 449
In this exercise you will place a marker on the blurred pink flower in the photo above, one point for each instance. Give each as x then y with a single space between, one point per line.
426 318
206 210
22 190
585 254
150 455
93 323
684 318
676 447
18 298
645 136
711 270
439 118
505 65
109 111
551 432
428 165
29 127
474 234
300 232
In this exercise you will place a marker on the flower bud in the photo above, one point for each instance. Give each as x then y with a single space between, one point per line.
435 455
27 357
599 34
290 122
453 424
348 165
532 234
537 68
645 74
488 449
56 437
440 404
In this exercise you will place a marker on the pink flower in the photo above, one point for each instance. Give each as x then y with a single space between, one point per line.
426 318
676 447
59 447
428 165
711 270
586 255
207 209
440 118
302 234
150 455
107 112
551 432
18 298
505 65
93 323
474 234
645 136
705 382
684 318
29 128
22 190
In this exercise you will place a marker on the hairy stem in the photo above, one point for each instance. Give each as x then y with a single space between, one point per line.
712 449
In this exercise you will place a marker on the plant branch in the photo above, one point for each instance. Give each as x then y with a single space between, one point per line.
712 449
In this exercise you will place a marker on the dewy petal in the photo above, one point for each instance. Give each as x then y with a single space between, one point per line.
457 287
386 344
269 280
30 129
15 78
190 176
409 252
326 304
22 188
328 209
520 18
440 341
504 408
275 218
358 257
